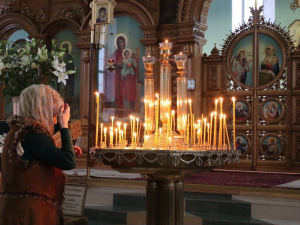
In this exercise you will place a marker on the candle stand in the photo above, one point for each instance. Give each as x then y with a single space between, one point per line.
165 172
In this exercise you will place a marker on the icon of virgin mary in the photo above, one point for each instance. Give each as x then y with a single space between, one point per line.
269 66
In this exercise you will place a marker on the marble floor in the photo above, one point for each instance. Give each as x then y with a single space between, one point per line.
122 206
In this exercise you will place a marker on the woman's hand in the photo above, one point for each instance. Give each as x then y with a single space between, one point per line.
63 115
77 151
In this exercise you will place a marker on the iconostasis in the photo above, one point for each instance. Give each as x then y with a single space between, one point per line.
259 66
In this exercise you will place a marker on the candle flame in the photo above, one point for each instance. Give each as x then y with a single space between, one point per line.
105 129
221 99
224 116
215 113
216 101
180 53
157 96
233 99
190 101
167 41
97 93
173 112
212 114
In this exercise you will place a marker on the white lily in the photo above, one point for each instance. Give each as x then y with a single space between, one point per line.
2 66
55 62
25 60
62 77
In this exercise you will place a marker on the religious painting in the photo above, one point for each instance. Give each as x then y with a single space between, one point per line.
272 110
124 89
294 30
270 59
241 143
241 61
242 110
271 145
71 91
102 11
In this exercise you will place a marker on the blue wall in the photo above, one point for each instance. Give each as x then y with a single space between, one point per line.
219 24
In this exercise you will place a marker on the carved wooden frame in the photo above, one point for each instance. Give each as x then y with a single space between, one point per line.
249 107
249 143
276 100
264 153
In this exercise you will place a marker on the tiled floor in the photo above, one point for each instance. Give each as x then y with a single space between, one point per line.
113 206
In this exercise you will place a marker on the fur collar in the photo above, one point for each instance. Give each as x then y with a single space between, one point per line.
26 125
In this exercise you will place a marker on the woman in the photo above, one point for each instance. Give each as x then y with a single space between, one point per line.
32 180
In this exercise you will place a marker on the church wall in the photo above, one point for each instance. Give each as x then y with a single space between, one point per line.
219 23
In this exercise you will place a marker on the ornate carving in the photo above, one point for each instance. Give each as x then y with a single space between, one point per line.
168 33
199 33
8 6
42 15
258 20
213 78
26 11
150 50
63 13
186 31
86 38
86 56
149 34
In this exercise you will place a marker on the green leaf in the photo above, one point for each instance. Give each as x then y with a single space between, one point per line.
71 72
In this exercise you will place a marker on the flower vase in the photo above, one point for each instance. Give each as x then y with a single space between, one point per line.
16 103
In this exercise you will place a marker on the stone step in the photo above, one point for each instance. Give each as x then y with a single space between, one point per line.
218 207
273 208
122 215
194 202
224 219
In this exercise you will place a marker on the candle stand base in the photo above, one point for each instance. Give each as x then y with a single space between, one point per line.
165 171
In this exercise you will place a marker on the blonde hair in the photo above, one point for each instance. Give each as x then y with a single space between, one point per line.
36 102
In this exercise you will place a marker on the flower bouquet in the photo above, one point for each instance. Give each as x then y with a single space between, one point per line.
31 63
2 137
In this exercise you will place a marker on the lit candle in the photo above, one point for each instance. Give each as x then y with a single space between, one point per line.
133 125
122 137
173 119
112 122
208 134
97 119
119 130
202 129
233 112
228 141
139 133
125 133
194 142
156 118
211 124
191 113
134 138
160 130
170 141
111 135
204 132
105 129
137 126
116 130
215 129
220 131
216 105
101 134
188 125
131 131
